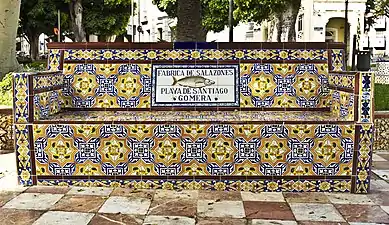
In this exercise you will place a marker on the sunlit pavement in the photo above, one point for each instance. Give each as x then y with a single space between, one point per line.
78 206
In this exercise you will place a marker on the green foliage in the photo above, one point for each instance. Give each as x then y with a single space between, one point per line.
106 17
36 66
381 97
6 90
215 12
381 7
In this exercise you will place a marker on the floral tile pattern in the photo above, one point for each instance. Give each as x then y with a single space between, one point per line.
342 80
214 150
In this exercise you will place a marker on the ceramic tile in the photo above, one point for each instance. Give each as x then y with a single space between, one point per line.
64 218
268 210
98 191
315 212
263 197
340 198
272 222
18 217
33 201
169 220
87 204
125 205
108 219
363 213
226 209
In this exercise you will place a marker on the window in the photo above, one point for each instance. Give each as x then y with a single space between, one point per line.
160 33
300 23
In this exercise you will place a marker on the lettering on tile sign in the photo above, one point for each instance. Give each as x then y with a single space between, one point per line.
195 85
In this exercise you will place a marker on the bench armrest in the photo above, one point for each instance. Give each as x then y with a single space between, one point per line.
37 95
351 95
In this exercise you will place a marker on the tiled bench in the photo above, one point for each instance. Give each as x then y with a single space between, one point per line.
266 117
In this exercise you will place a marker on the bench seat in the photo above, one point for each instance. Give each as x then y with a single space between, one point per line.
194 116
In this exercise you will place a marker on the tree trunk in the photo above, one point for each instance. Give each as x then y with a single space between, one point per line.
189 21
280 24
295 8
9 18
34 47
76 10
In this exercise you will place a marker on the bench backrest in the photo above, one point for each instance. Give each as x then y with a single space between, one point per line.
266 75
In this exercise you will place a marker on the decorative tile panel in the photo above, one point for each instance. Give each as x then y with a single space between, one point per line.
166 150
283 85
343 105
47 81
338 60
47 103
364 160
195 54
54 60
342 80
23 154
252 185
21 97
366 97
107 85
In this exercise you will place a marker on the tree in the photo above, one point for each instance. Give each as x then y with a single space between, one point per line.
9 15
37 17
214 13
381 7
189 26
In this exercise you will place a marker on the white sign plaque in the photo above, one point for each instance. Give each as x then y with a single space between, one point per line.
195 85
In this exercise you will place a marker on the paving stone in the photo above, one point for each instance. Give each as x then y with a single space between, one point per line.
109 219
378 158
272 222
268 210
48 189
321 223
385 156
220 195
18 217
126 205
380 198
221 221
126 192
367 224
35 201
383 174
164 194
306 197
64 218
385 208
169 220
363 213
173 207
263 196
380 165
72 203
315 212
347 198
6 196
100 191
379 185
227 209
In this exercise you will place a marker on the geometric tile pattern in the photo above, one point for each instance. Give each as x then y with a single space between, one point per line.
366 97
342 80
23 154
337 60
364 157
47 81
343 104
172 150
47 103
283 85
195 54
107 85
54 60
21 95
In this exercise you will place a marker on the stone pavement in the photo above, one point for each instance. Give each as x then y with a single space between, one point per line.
101 206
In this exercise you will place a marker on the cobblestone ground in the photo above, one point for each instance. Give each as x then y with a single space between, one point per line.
101 206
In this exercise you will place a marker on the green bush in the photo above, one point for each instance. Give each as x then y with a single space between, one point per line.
381 97
36 66
6 90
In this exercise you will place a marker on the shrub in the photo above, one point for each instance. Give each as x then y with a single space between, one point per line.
381 97
6 90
